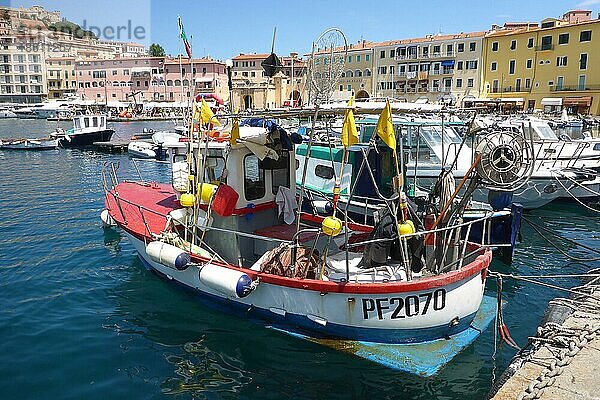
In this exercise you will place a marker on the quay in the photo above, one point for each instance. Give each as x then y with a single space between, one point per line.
117 146
561 361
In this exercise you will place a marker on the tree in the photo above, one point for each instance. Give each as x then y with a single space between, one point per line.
156 50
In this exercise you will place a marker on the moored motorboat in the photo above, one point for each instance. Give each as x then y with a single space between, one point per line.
29 144
141 149
86 130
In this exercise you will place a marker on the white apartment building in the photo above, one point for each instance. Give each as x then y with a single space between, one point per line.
435 69
22 70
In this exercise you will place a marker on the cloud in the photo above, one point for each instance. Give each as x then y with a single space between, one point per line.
587 3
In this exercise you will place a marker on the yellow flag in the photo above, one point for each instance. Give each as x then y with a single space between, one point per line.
207 114
385 127
235 132
349 133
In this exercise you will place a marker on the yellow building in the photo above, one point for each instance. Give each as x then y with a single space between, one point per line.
547 66
60 77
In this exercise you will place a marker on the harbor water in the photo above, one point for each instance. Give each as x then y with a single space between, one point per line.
82 318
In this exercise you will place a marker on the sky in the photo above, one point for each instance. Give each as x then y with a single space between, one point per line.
223 29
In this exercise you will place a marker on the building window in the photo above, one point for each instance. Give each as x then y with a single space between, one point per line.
367 56
529 63
581 85
511 67
494 66
349 88
518 85
585 36
349 59
559 82
470 82
472 46
392 53
472 64
460 48
494 46
546 43
495 86
358 58
459 65
449 49
563 38
436 51
341 87
527 83
459 83
583 61
513 44
561 61
382 54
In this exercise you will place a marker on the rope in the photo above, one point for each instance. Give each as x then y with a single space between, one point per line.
575 197
537 228
548 285
502 329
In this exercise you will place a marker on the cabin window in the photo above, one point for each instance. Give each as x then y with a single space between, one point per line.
281 176
214 169
254 178
94 121
86 122
324 171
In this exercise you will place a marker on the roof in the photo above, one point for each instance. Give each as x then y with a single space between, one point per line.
433 38
562 24
253 56
364 45
195 60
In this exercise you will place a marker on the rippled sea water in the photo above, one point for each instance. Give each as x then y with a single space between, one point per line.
81 318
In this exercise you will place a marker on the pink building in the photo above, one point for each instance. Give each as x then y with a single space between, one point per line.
149 79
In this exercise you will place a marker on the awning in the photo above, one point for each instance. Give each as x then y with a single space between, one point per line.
577 101
447 63
422 100
517 100
203 79
552 101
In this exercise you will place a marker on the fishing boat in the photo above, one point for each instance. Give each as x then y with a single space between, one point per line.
229 228
86 130
28 144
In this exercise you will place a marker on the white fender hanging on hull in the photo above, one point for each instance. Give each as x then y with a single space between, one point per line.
107 220
168 255
226 280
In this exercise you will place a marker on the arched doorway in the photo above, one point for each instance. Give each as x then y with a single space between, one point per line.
247 102
362 94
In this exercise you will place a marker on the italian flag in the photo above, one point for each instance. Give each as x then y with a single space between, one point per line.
188 48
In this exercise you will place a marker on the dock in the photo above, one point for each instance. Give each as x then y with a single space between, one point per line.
117 146
562 360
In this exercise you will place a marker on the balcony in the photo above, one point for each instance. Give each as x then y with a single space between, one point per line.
544 47
140 74
573 88
516 89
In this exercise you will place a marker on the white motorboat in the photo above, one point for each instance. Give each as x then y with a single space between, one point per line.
141 149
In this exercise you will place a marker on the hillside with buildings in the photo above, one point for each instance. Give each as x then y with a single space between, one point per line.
521 66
